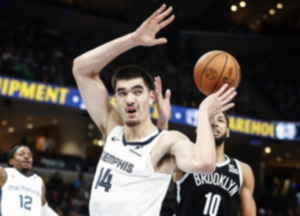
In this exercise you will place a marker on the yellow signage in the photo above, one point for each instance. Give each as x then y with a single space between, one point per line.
33 91
23 89
251 126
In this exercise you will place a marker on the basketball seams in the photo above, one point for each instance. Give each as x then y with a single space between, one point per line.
202 72
225 64
213 69
238 74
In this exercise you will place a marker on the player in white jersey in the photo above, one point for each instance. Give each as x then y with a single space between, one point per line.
22 192
138 160
126 179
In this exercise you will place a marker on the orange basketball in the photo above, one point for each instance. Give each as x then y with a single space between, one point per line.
215 68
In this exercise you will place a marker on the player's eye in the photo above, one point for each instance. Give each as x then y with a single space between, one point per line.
221 120
122 93
138 92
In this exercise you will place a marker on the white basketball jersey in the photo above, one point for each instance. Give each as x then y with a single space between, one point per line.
125 182
21 195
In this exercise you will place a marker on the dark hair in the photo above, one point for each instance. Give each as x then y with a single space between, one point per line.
132 71
11 153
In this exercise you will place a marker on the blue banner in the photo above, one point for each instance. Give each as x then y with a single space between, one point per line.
59 95
40 92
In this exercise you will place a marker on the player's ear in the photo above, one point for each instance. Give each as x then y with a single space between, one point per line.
151 97
227 133
11 162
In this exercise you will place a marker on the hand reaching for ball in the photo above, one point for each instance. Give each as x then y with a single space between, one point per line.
219 101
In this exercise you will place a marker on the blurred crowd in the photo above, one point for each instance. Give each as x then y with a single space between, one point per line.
35 51
68 198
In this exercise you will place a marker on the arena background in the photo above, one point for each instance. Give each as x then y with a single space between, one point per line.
40 39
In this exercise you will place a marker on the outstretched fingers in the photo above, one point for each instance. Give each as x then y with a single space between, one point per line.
166 22
163 23
157 87
168 94
158 91
228 95
227 107
163 15
158 12
222 89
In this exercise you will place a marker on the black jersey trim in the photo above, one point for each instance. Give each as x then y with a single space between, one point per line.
141 143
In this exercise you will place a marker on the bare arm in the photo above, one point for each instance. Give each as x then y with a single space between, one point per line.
3 176
87 67
247 203
44 201
201 157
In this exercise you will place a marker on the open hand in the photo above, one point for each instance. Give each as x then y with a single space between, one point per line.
145 35
219 101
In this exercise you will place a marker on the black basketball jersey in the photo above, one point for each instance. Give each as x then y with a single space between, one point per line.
215 194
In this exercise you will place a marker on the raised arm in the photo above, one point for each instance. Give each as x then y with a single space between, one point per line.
189 157
201 156
87 67
247 202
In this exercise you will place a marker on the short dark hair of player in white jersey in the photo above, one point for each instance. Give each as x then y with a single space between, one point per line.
131 72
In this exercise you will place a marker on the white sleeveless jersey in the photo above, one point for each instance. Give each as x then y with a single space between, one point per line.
125 183
21 195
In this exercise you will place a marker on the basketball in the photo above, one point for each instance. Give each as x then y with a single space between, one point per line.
214 69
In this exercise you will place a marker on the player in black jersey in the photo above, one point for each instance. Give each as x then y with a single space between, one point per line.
228 191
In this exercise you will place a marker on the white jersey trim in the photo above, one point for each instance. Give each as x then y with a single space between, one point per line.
240 173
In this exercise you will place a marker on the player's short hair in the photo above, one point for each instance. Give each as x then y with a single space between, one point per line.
130 72
12 152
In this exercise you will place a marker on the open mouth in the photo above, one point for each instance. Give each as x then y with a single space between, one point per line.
131 111
215 132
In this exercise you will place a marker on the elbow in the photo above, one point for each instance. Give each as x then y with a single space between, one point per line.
76 66
80 66
206 167
209 168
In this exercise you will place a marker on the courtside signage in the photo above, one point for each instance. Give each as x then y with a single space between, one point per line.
40 92
54 94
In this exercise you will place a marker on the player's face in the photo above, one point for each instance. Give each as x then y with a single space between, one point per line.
133 100
22 160
219 127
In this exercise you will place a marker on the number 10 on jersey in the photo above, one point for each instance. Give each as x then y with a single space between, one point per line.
212 204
